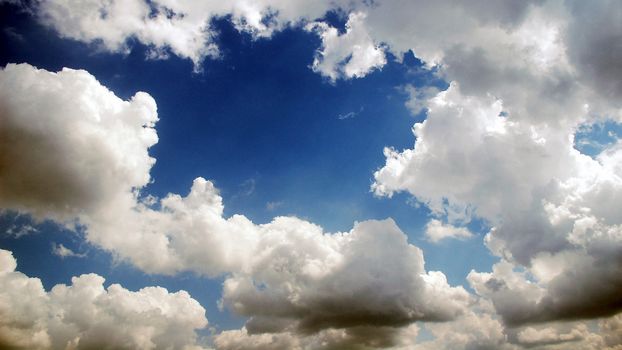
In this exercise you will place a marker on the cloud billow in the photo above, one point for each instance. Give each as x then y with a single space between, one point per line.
286 275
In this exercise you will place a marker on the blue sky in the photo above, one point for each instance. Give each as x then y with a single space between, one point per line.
278 136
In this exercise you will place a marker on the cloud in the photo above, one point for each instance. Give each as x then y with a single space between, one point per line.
164 26
497 144
436 231
543 199
85 315
305 280
352 54
287 275
363 338
287 272
63 252
350 115
273 205
418 97
70 146
531 337
18 231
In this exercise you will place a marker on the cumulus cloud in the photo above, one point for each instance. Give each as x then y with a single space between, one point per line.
361 338
69 145
369 276
164 26
436 231
352 54
543 198
85 315
511 159
287 275
498 144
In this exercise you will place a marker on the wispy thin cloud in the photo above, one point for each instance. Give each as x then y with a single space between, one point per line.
350 115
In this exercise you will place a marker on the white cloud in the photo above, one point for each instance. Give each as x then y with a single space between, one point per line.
362 338
436 231
418 97
301 279
85 315
533 337
352 54
286 276
286 273
181 28
545 200
70 146
63 252
498 144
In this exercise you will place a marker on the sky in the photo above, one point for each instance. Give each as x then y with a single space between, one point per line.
310 175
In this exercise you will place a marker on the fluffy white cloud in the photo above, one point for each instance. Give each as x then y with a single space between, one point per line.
436 231
308 281
179 27
361 338
511 159
352 54
69 145
85 315
545 200
497 144
286 276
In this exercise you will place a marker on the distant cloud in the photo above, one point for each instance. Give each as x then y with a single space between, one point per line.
12 33
247 187
350 115
63 252
271 206
18 231
353 54
64 317
436 231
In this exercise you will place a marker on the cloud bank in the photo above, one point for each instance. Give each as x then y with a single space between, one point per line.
285 276
497 145
85 315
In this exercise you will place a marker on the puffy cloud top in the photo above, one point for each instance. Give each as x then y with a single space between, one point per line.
85 315
69 145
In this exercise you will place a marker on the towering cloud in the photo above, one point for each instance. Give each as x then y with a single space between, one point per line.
512 161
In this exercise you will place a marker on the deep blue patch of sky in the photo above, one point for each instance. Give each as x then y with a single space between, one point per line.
259 123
